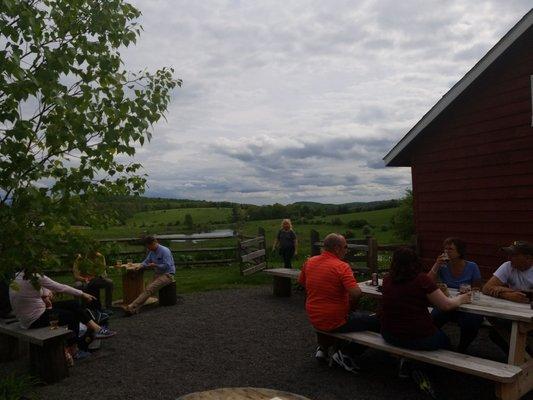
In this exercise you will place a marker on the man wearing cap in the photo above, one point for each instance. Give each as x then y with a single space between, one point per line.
514 278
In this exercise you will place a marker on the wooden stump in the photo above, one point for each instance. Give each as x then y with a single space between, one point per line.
48 362
167 295
132 285
282 286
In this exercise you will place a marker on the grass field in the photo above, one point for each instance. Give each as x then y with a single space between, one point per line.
192 279
220 277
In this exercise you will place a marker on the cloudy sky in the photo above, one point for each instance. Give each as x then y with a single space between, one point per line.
286 101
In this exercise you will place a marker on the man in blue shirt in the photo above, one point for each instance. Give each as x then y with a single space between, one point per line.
161 261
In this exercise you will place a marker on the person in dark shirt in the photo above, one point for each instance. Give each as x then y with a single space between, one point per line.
407 294
287 243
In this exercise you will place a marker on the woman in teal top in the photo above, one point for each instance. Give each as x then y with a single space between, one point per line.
452 269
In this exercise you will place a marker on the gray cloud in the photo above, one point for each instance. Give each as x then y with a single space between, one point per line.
300 100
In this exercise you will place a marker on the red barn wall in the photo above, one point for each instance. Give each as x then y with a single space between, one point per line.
472 168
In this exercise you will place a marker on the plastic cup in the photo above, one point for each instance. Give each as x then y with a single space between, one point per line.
53 320
465 288
476 294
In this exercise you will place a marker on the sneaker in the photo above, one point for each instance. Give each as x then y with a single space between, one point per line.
423 383
403 369
320 355
104 333
80 355
344 361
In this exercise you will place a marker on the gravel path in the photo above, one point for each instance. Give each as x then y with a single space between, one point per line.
242 337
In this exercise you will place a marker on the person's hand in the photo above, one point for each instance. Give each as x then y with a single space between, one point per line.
441 260
137 267
517 297
87 297
47 301
465 298
152 265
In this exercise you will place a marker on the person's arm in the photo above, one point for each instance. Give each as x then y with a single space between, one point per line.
301 277
434 271
167 262
54 286
496 288
444 303
355 294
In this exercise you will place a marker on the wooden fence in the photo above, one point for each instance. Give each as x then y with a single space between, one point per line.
368 246
252 253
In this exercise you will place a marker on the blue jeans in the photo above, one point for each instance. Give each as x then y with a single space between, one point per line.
468 323
438 340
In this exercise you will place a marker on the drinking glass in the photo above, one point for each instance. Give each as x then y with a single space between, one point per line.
465 288
476 294
53 319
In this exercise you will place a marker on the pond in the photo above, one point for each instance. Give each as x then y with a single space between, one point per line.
198 237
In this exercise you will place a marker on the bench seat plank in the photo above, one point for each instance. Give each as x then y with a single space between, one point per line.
483 368
283 272
37 336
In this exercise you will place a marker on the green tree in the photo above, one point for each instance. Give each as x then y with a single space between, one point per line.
67 110
402 222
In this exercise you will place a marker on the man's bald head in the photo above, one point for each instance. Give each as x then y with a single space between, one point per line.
336 244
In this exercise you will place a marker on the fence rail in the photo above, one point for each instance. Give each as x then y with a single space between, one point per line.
369 246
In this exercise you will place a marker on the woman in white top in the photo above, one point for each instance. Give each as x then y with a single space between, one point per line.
31 299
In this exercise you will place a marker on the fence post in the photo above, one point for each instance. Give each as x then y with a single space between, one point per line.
263 245
372 254
315 237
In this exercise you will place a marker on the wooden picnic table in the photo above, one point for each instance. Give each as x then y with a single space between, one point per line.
520 315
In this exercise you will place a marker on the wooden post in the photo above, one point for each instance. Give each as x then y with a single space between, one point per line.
315 237
262 245
9 348
48 362
372 254
282 286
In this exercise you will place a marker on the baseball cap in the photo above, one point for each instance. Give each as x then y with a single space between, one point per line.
519 247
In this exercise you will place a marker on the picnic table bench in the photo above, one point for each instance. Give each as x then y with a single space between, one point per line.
513 379
282 277
47 349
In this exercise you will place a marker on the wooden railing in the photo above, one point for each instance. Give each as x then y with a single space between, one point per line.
369 246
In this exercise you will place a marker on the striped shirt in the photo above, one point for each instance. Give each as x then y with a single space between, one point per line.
327 279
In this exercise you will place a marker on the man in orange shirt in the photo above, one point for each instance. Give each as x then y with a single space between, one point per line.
332 296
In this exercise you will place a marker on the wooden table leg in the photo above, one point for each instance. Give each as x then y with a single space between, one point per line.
517 345
517 355
132 285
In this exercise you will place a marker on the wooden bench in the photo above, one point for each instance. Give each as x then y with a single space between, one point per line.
47 349
282 280
505 375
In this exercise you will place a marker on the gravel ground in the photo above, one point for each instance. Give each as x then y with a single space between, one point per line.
236 338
